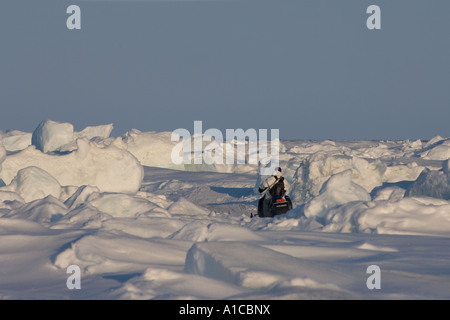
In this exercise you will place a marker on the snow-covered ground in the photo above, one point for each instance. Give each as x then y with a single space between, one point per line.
140 227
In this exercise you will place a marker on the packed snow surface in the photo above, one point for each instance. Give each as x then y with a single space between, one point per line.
140 227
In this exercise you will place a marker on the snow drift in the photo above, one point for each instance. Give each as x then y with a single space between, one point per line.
414 216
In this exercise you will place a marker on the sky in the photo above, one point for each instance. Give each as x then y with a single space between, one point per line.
310 68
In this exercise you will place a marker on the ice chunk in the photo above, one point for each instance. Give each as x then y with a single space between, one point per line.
82 195
446 166
10 200
33 183
430 183
319 167
339 189
9 196
152 149
102 131
84 217
409 147
402 172
16 140
44 211
439 152
434 141
390 193
51 135
109 168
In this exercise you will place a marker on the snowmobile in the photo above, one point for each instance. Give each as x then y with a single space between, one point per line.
279 203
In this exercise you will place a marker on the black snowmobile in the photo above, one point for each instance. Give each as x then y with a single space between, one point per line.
280 203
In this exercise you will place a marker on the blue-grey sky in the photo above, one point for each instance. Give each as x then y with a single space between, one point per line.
309 68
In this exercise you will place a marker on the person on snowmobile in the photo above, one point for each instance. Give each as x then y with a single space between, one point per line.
272 186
